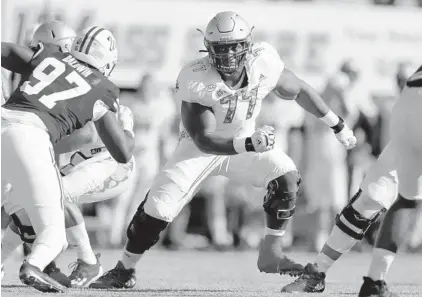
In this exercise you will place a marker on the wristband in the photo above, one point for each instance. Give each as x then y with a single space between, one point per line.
243 144
340 125
239 144
249 145
335 122
331 119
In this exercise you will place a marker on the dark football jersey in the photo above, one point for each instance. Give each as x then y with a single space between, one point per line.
63 92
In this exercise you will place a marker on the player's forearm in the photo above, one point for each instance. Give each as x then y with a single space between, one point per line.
311 101
211 144
130 140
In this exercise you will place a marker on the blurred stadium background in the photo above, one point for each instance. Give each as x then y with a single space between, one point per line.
357 53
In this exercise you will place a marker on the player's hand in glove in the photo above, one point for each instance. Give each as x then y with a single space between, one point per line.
263 139
344 135
125 118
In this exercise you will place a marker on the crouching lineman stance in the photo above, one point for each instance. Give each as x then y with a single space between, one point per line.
398 170
61 92
221 97
91 175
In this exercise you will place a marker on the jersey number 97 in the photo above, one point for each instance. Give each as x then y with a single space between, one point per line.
79 86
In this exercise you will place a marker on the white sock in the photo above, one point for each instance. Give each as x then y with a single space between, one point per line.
323 262
40 255
9 243
337 244
129 260
380 264
77 236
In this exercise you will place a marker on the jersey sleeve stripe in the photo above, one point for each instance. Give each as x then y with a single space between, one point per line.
92 40
86 37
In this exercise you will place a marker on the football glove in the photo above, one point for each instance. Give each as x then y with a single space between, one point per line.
263 139
125 118
344 135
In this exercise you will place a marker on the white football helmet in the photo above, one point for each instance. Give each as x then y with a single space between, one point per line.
227 39
54 32
97 47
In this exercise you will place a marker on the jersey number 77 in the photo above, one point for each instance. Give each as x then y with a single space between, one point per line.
57 68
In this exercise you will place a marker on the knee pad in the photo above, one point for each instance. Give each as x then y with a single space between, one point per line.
26 233
280 201
143 231
354 224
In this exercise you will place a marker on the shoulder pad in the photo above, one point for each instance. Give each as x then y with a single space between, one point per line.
266 54
192 82
264 59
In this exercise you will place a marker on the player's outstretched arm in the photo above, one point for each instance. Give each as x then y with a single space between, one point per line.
119 142
290 87
15 57
199 122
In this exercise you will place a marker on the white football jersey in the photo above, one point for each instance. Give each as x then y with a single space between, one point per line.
235 110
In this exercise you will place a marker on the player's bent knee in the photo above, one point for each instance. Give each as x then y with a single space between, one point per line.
352 221
143 231
280 201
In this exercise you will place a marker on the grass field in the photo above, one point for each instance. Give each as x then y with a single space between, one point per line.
196 273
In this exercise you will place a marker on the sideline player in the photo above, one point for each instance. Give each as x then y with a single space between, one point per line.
221 96
392 183
91 175
60 93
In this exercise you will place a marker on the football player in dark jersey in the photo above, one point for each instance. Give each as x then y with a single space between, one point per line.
92 175
60 93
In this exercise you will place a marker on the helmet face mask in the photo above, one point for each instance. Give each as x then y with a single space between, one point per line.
228 41
228 57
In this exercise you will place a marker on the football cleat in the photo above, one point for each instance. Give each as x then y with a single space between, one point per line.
34 277
371 288
117 278
283 266
312 281
272 260
84 274
54 272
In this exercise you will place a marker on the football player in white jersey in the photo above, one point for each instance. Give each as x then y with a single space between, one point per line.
221 96
91 175
392 183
